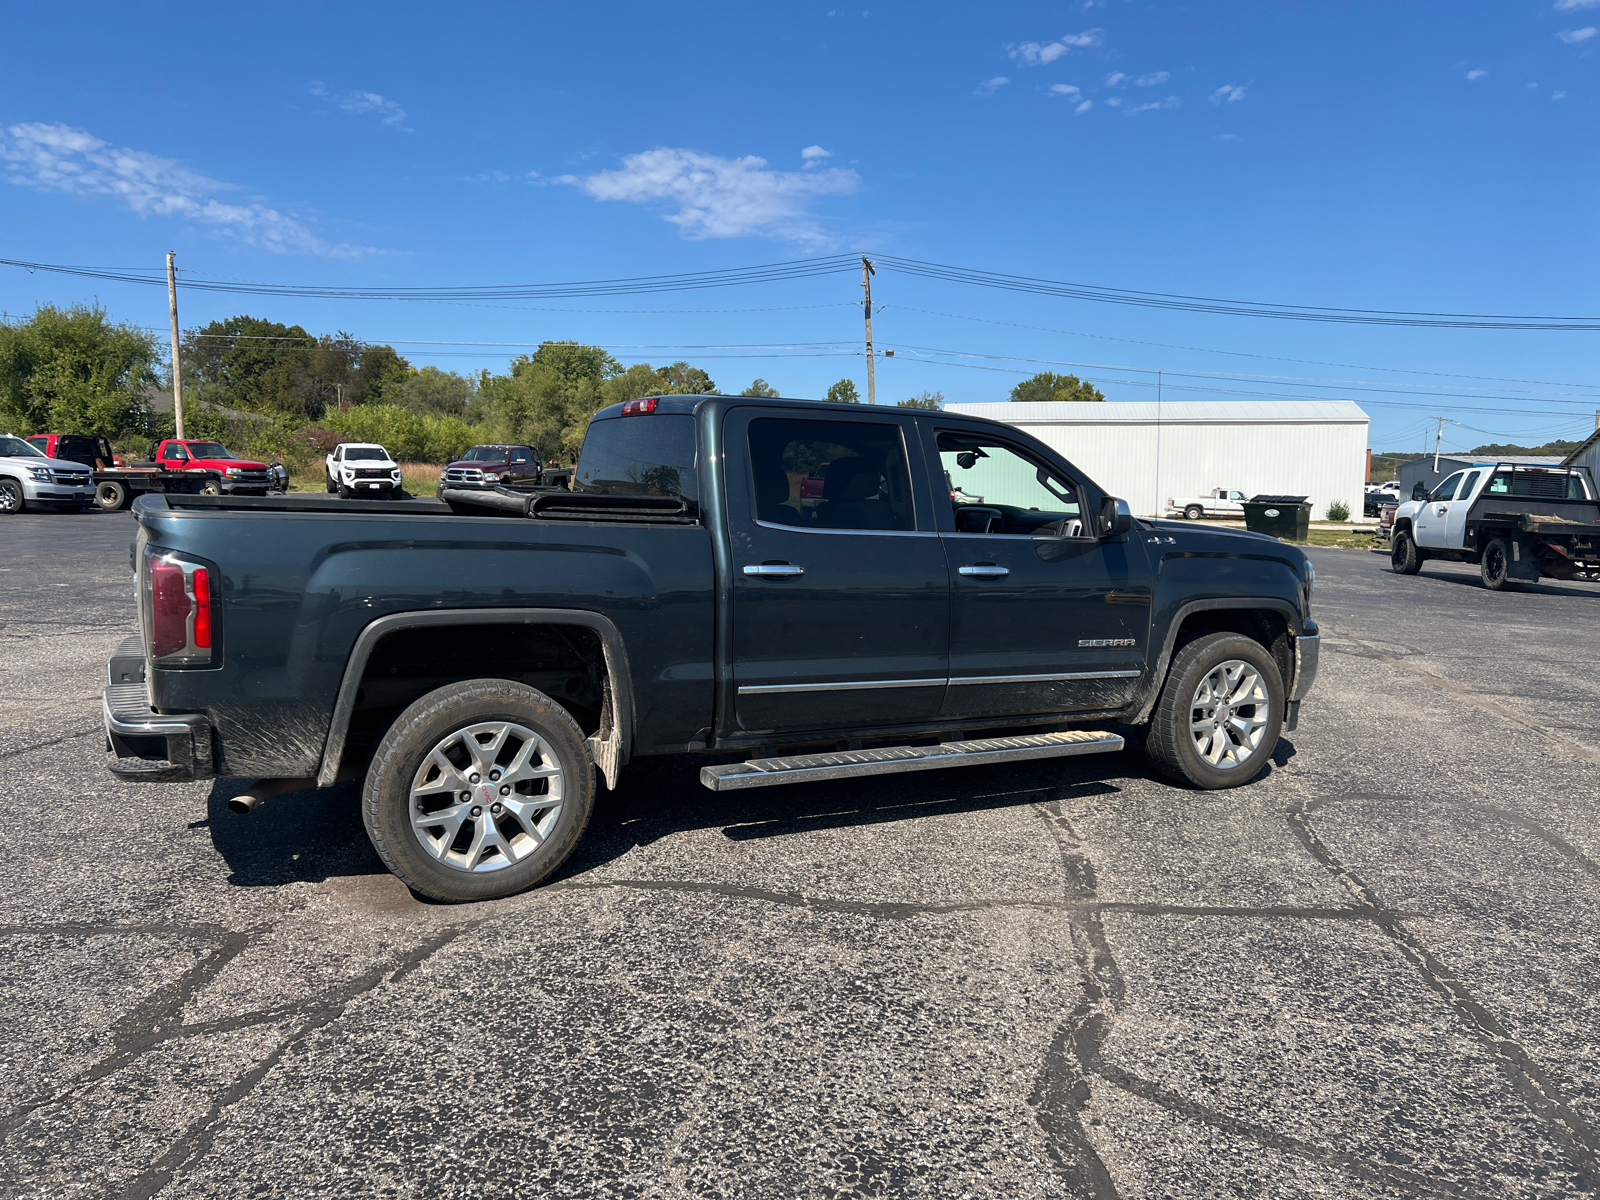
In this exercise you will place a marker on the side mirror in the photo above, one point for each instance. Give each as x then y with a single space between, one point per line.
1116 518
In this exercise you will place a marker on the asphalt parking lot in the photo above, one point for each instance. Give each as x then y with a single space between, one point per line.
1372 973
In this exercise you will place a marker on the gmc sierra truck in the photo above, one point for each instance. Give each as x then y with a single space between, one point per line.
1517 522
475 662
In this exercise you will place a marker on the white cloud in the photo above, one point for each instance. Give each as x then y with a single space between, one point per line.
1476 75
389 113
1115 78
1084 107
1558 95
1152 79
1064 89
990 86
58 158
1112 102
1573 5
723 197
814 156
1228 93
1039 54
1573 36
1169 102
1229 137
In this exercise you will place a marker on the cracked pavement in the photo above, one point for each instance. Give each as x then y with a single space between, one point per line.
1371 973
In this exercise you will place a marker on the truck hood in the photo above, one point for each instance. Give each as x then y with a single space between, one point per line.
222 464
55 464
499 464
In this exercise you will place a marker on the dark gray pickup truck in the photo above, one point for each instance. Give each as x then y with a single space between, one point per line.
959 594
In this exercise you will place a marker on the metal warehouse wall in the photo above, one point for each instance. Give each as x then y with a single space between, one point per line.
1315 448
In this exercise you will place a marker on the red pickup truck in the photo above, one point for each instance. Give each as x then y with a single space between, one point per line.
236 476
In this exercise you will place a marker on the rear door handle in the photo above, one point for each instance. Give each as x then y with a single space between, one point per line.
984 570
774 570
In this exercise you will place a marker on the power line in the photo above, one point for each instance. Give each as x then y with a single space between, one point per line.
795 269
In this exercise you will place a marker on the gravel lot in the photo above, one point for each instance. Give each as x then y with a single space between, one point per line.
1372 973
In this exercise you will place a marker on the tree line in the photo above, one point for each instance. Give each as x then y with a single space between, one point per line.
76 370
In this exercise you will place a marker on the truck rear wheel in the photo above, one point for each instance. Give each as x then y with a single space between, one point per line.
479 790
1404 555
1495 566
110 496
1220 713
1194 512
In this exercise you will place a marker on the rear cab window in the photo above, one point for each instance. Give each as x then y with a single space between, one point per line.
648 455
866 483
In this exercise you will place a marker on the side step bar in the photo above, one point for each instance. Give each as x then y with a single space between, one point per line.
848 764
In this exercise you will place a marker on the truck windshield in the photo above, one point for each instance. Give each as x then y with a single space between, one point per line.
210 450
486 454
365 453
1543 485
640 456
11 447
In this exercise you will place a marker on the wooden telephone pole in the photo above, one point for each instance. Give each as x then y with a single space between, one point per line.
177 374
866 286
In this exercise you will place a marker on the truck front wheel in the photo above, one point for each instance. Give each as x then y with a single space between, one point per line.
1404 555
110 495
479 790
1219 714
11 498
1495 566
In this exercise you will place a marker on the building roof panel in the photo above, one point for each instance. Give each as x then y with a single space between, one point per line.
1141 412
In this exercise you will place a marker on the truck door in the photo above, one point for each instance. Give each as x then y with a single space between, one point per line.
174 455
841 608
1045 616
1431 519
1456 510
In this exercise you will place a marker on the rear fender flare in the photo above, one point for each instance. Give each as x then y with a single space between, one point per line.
609 746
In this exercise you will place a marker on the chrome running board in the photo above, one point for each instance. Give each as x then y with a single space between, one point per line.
847 764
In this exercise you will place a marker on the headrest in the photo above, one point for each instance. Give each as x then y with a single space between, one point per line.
851 479
772 490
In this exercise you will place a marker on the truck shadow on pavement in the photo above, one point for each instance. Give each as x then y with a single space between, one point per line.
317 834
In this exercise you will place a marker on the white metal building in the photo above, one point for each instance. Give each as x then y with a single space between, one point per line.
1146 453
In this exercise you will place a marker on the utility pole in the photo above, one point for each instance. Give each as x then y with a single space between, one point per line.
177 374
1439 437
866 286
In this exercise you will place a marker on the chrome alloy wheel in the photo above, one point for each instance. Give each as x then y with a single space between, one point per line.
486 796
1228 714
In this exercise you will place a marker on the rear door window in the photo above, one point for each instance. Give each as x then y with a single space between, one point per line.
866 485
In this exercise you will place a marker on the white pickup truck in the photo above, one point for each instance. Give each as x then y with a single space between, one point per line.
363 469
1222 502
1516 522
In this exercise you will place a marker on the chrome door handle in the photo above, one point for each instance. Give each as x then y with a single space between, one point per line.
774 570
984 571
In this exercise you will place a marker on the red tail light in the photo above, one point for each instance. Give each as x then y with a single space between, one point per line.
634 407
179 599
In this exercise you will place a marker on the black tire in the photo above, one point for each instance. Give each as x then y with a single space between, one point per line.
1170 743
328 479
1404 555
344 492
110 496
410 742
1495 566
12 501
1194 512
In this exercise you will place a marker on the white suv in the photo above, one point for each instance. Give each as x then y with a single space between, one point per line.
362 469
30 480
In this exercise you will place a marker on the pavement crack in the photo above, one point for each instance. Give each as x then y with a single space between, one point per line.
899 910
1537 1090
197 1140
66 737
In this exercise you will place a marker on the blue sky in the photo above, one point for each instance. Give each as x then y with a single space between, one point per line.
1407 156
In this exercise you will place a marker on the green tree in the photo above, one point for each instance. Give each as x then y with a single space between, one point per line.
924 399
430 391
1048 386
242 362
72 371
844 392
681 379
760 387
575 362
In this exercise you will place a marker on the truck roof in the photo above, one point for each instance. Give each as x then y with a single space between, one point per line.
692 403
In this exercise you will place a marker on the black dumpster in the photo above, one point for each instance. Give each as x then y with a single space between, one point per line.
1286 517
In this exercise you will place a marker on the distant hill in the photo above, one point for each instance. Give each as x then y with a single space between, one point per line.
1387 466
